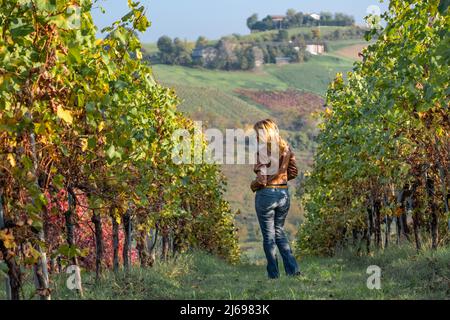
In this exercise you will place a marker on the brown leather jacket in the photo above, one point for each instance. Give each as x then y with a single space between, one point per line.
287 170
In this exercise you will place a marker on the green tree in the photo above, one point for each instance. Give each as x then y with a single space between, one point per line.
201 42
290 13
251 21
166 49
182 54
283 35
326 18
298 19
290 20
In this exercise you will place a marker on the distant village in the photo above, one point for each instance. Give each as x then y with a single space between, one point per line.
282 45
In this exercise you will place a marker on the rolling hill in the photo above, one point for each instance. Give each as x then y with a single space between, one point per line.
237 99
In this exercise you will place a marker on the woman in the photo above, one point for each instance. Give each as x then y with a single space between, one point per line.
274 168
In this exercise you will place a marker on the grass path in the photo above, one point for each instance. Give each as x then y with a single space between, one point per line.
405 275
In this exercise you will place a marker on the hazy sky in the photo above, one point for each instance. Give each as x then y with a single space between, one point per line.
187 19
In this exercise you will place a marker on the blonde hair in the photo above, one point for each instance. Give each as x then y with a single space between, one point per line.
270 134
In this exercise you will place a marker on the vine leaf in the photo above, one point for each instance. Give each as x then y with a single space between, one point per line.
65 115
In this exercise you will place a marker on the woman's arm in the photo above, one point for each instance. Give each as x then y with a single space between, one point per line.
292 170
261 179
261 173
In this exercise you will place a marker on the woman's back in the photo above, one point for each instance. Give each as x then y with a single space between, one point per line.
272 201
275 171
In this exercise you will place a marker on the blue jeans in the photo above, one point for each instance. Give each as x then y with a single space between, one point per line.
272 206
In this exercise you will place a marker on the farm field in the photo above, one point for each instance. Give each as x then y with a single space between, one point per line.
236 99
352 52
334 46
314 75
150 48
224 80
217 108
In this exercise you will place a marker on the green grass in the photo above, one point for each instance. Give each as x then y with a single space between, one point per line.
314 75
404 275
340 44
217 108
150 48
223 80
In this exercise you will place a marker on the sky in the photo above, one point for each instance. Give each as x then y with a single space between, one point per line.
188 19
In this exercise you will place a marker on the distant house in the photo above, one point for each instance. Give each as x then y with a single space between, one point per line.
282 60
315 49
207 54
278 20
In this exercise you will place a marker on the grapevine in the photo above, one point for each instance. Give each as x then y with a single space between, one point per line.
383 152
85 150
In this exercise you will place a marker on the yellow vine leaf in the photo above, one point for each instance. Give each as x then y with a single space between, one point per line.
9 40
422 114
11 160
84 144
7 239
101 126
65 115
139 54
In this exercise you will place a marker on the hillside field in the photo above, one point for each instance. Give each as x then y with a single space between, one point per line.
216 98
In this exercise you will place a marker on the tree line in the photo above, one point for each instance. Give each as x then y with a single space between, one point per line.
294 19
237 52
